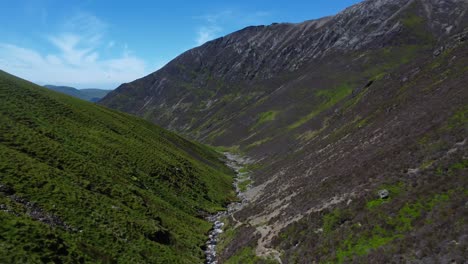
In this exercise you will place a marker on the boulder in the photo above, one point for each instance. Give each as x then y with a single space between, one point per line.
383 194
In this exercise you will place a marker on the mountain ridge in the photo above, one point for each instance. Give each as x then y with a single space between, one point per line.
332 111
189 63
88 94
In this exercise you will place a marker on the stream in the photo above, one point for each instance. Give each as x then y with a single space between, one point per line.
236 163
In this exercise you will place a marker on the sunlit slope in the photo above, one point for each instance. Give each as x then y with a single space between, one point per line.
82 183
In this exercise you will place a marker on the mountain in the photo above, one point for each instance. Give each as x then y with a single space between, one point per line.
334 112
92 95
82 183
233 79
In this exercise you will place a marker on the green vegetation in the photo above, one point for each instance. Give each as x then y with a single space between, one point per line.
416 24
311 134
364 244
120 189
351 103
259 142
453 168
362 122
251 167
330 98
247 256
395 227
426 164
232 149
244 184
458 119
332 220
243 179
227 236
385 60
460 165
354 232
308 135
394 190
215 134
265 117
374 203
413 21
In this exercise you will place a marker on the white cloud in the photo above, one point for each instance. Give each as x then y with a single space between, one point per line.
207 33
74 68
89 26
75 59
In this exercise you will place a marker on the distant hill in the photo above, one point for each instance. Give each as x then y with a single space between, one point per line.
92 94
80 183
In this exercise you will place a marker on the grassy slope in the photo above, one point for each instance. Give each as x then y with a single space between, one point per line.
119 188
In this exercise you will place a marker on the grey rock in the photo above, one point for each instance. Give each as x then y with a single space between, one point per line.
438 51
383 194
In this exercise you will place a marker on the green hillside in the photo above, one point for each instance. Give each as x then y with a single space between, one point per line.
82 183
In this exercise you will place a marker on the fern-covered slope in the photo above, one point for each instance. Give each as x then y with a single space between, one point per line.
82 183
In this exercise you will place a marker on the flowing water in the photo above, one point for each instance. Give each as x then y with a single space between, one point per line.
236 163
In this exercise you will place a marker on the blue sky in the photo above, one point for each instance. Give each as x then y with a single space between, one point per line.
101 44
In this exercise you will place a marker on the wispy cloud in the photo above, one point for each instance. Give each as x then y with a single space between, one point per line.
89 26
214 25
206 33
75 57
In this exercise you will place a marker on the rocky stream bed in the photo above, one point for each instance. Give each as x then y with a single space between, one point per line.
235 162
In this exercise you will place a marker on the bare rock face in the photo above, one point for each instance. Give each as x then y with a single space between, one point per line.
333 110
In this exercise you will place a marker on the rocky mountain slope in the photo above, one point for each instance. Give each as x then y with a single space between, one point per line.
332 111
91 94
80 183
